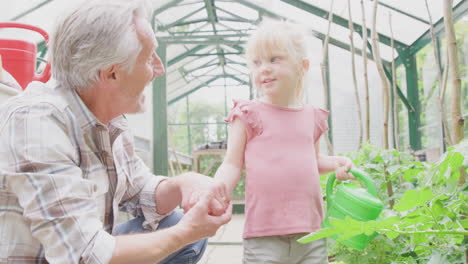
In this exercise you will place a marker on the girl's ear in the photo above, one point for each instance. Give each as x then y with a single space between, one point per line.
305 64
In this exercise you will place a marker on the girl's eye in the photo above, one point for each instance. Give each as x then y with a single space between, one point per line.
256 62
275 59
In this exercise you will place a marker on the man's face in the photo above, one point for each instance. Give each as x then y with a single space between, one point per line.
148 65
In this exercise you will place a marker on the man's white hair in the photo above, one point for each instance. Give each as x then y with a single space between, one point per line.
93 36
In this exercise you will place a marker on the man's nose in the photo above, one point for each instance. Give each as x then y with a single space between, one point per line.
158 69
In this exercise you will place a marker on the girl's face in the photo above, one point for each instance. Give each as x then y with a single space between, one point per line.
276 75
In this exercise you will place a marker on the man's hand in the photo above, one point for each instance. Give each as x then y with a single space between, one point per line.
198 223
344 164
193 186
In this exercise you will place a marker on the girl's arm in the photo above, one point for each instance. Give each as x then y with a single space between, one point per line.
328 164
230 170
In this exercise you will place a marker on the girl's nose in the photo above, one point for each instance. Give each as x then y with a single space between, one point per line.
265 68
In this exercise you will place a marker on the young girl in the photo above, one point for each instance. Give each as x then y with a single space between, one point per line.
277 137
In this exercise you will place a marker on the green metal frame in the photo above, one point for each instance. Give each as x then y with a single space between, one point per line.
406 52
221 34
27 12
414 118
340 21
160 144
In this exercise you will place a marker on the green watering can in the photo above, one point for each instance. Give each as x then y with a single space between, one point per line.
355 202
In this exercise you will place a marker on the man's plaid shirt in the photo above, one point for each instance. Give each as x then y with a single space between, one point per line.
63 178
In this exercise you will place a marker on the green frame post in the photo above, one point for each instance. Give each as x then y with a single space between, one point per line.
160 154
414 118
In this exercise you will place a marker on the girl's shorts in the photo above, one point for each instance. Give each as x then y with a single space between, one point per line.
284 250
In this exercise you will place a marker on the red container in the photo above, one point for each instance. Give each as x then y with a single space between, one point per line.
19 56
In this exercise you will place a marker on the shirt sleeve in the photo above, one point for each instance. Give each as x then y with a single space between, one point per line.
140 197
321 122
42 173
244 111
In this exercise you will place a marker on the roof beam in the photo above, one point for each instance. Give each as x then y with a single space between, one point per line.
232 14
237 79
258 8
458 12
207 64
181 23
340 21
215 54
204 84
32 9
204 39
211 10
180 20
186 54
404 13
319 35
165 7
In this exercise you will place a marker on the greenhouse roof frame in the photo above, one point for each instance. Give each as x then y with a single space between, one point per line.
216 29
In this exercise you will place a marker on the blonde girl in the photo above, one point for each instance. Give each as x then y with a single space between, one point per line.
277 137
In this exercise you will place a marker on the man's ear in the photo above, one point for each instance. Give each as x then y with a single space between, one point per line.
108 74
305 64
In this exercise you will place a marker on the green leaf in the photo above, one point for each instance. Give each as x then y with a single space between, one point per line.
464 223
439 209
391 234
419 239
322 233
413 198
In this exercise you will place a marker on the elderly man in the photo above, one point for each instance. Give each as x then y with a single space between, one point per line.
67 159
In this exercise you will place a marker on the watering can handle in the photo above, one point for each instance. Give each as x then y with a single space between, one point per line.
45 75
358 174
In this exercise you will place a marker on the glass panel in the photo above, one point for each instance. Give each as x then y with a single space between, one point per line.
177 12
44 17
14 8
428 96
236 92
178 138
400 21
346 126
207 105
237 9
403 115
177 112
418 7
461 29
204 134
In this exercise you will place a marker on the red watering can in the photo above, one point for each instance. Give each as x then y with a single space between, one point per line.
19 56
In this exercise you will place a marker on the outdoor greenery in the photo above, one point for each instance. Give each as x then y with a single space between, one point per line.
428 221
428 86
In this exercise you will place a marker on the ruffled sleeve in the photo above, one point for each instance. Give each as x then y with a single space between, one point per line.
321 122
246 112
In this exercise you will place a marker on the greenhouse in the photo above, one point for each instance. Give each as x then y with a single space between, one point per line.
392 75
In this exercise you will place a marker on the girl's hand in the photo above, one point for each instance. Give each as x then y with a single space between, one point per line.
342 171
193 186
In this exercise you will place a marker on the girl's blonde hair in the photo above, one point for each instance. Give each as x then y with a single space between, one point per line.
284 36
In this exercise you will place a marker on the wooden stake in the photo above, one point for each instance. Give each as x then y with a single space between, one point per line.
383 78
353 67
366 78
324 73
456 98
